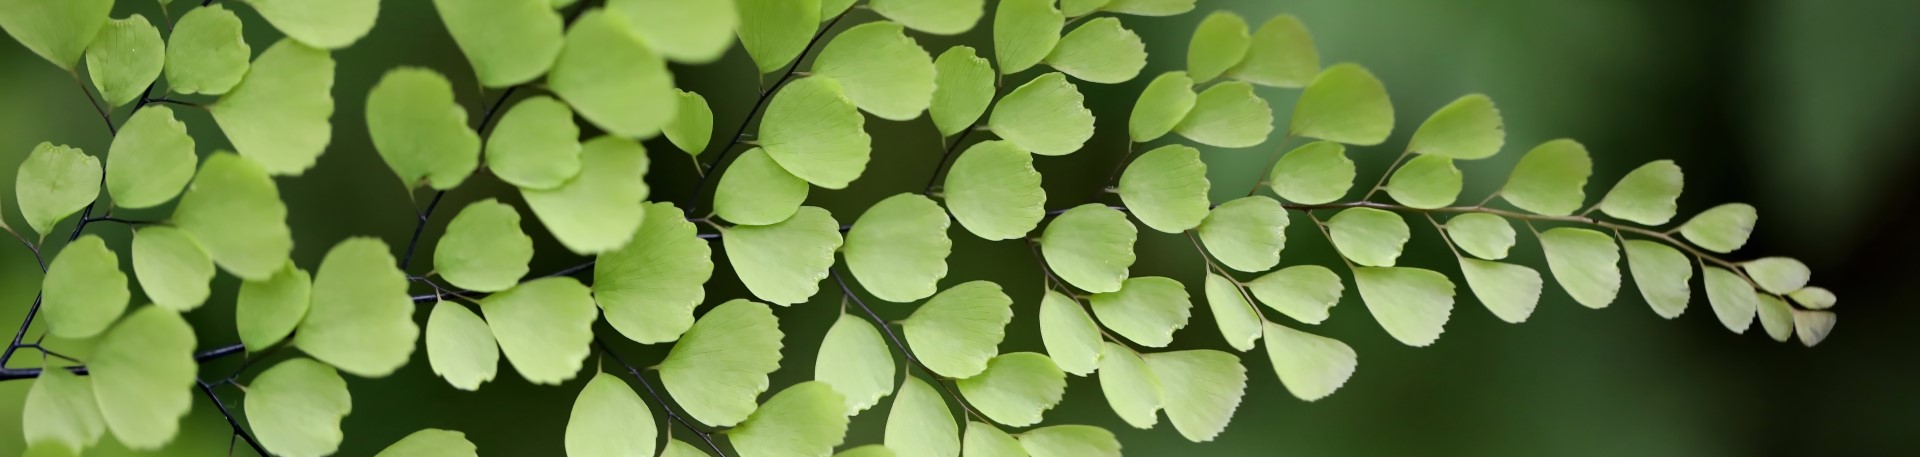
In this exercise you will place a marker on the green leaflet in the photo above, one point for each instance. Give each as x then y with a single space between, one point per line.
151 159
609 420
1368 236
1046 116
545 326
1149 8
1072 440
484 249
1100 51
692 127
755 190
1280 54
1646 195
1090 246
206 52
59 409
1167 188
898 248
1077 8
1814 297
1345 103
295 408
54 182
268 310
1721 228
993 191
277 114
1246 234
721 364
143 374
1228 115
125 58
1778 275
460 346
1303 292
1732 298
235 212
1219 43
856 361
1130 388
1024 32
1813 326
958 330
360 318
814 132
1071 337
1162 105
919 423
648 288
1776 317
1239 324
419 130
963 87
1412 304
1551 179
1200 389
1312 174
1016 389
1310 366
1509 291
58 31
598 210
508 42
1483 235
1428 181
324 24
1586 263
984 440
535 145
1146 310
942 17
1468 128
172 267
871 450
685 32
830 9
783 263
431 442
613 78
1662 273
882 71
83 291
805 419
677 448
776 31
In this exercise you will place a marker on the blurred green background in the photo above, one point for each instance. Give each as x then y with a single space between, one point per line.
1804 108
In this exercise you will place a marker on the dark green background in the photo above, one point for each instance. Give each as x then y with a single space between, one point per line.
1804 108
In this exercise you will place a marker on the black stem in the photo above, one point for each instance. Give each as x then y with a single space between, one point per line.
673 415
760 103
237 429
421 226
939 167
28 373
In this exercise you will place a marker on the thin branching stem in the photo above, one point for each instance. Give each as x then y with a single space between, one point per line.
207 388
945 158
900 345
672 415
760 103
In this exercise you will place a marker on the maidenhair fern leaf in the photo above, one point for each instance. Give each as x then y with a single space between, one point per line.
1509 291
1305 293
677 448
984 440
125 58
1077 8
685 32
1046 116
1412 304
361 318
1647 194
1239 323
1551 179
1814 297
1246 234
919 424
1228 115
151 159
609 420
54 182
1100 51
295 408
957 331
721 365
598 210
484 249
783 263
535 145
648 288
1345 103
1310 366
812 129
692 126
1482 235
963 87
755 190
1812 327
1776 317
84 290
1312 174
1368 236
59 410
1145 310
1070 336
1130 388
944 17
1468 128
508 42
1427 182
545 326
1200 389
173 269
234 210
1732 298
613 78
431 442
1016 388
898 249
856 362
1024 32
805 419
321 24
58 31
206 52
774 32
1073 440
1167 188
1090 247
1280 54
1585 262
883 71
993 191
278 114
1778 275
1663 275
267 311
1161 106
1721 229
460 346
871 450
143 374
1219 43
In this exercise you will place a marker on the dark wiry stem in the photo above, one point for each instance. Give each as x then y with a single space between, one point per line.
740 133
940 166
672 415
237 429
902 346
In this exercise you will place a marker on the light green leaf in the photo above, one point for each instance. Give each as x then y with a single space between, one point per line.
1132 390
1776 317
125 58
919 423
295 408
535 145
1167 188
783 263
1247 233
360 318
1778 275
963 87
1585 262
173 269
59 409
609 420
755 190
1663 274
814 132
1071 337
721 365
648 288
1149 7
1072 440
1310 366
613 78
508 42
598 210
1509 291
984 440
235 212
692 127
808 418
1411 303
677 448
143 374
1162 105
54 182
1813 326
1303 292
855 361
1468 128
1312 174
939 17
1016 389
993 190
1551 179
57 30
1228 115
1024 32
1814 297
1646 195
1201 389
871 450
898 248
1100 51
206 52
1046 116
1090 246
545 326
83 291
1345 103
1146 310
1238 321
1732 298
324 24
881 70
1077 8
776 31
277 115
1721 229
1368 236
686 32
484 249
1428 181
1280 54
1219 43
268 310
431 442
958 330
151 159
1483 235
460 346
